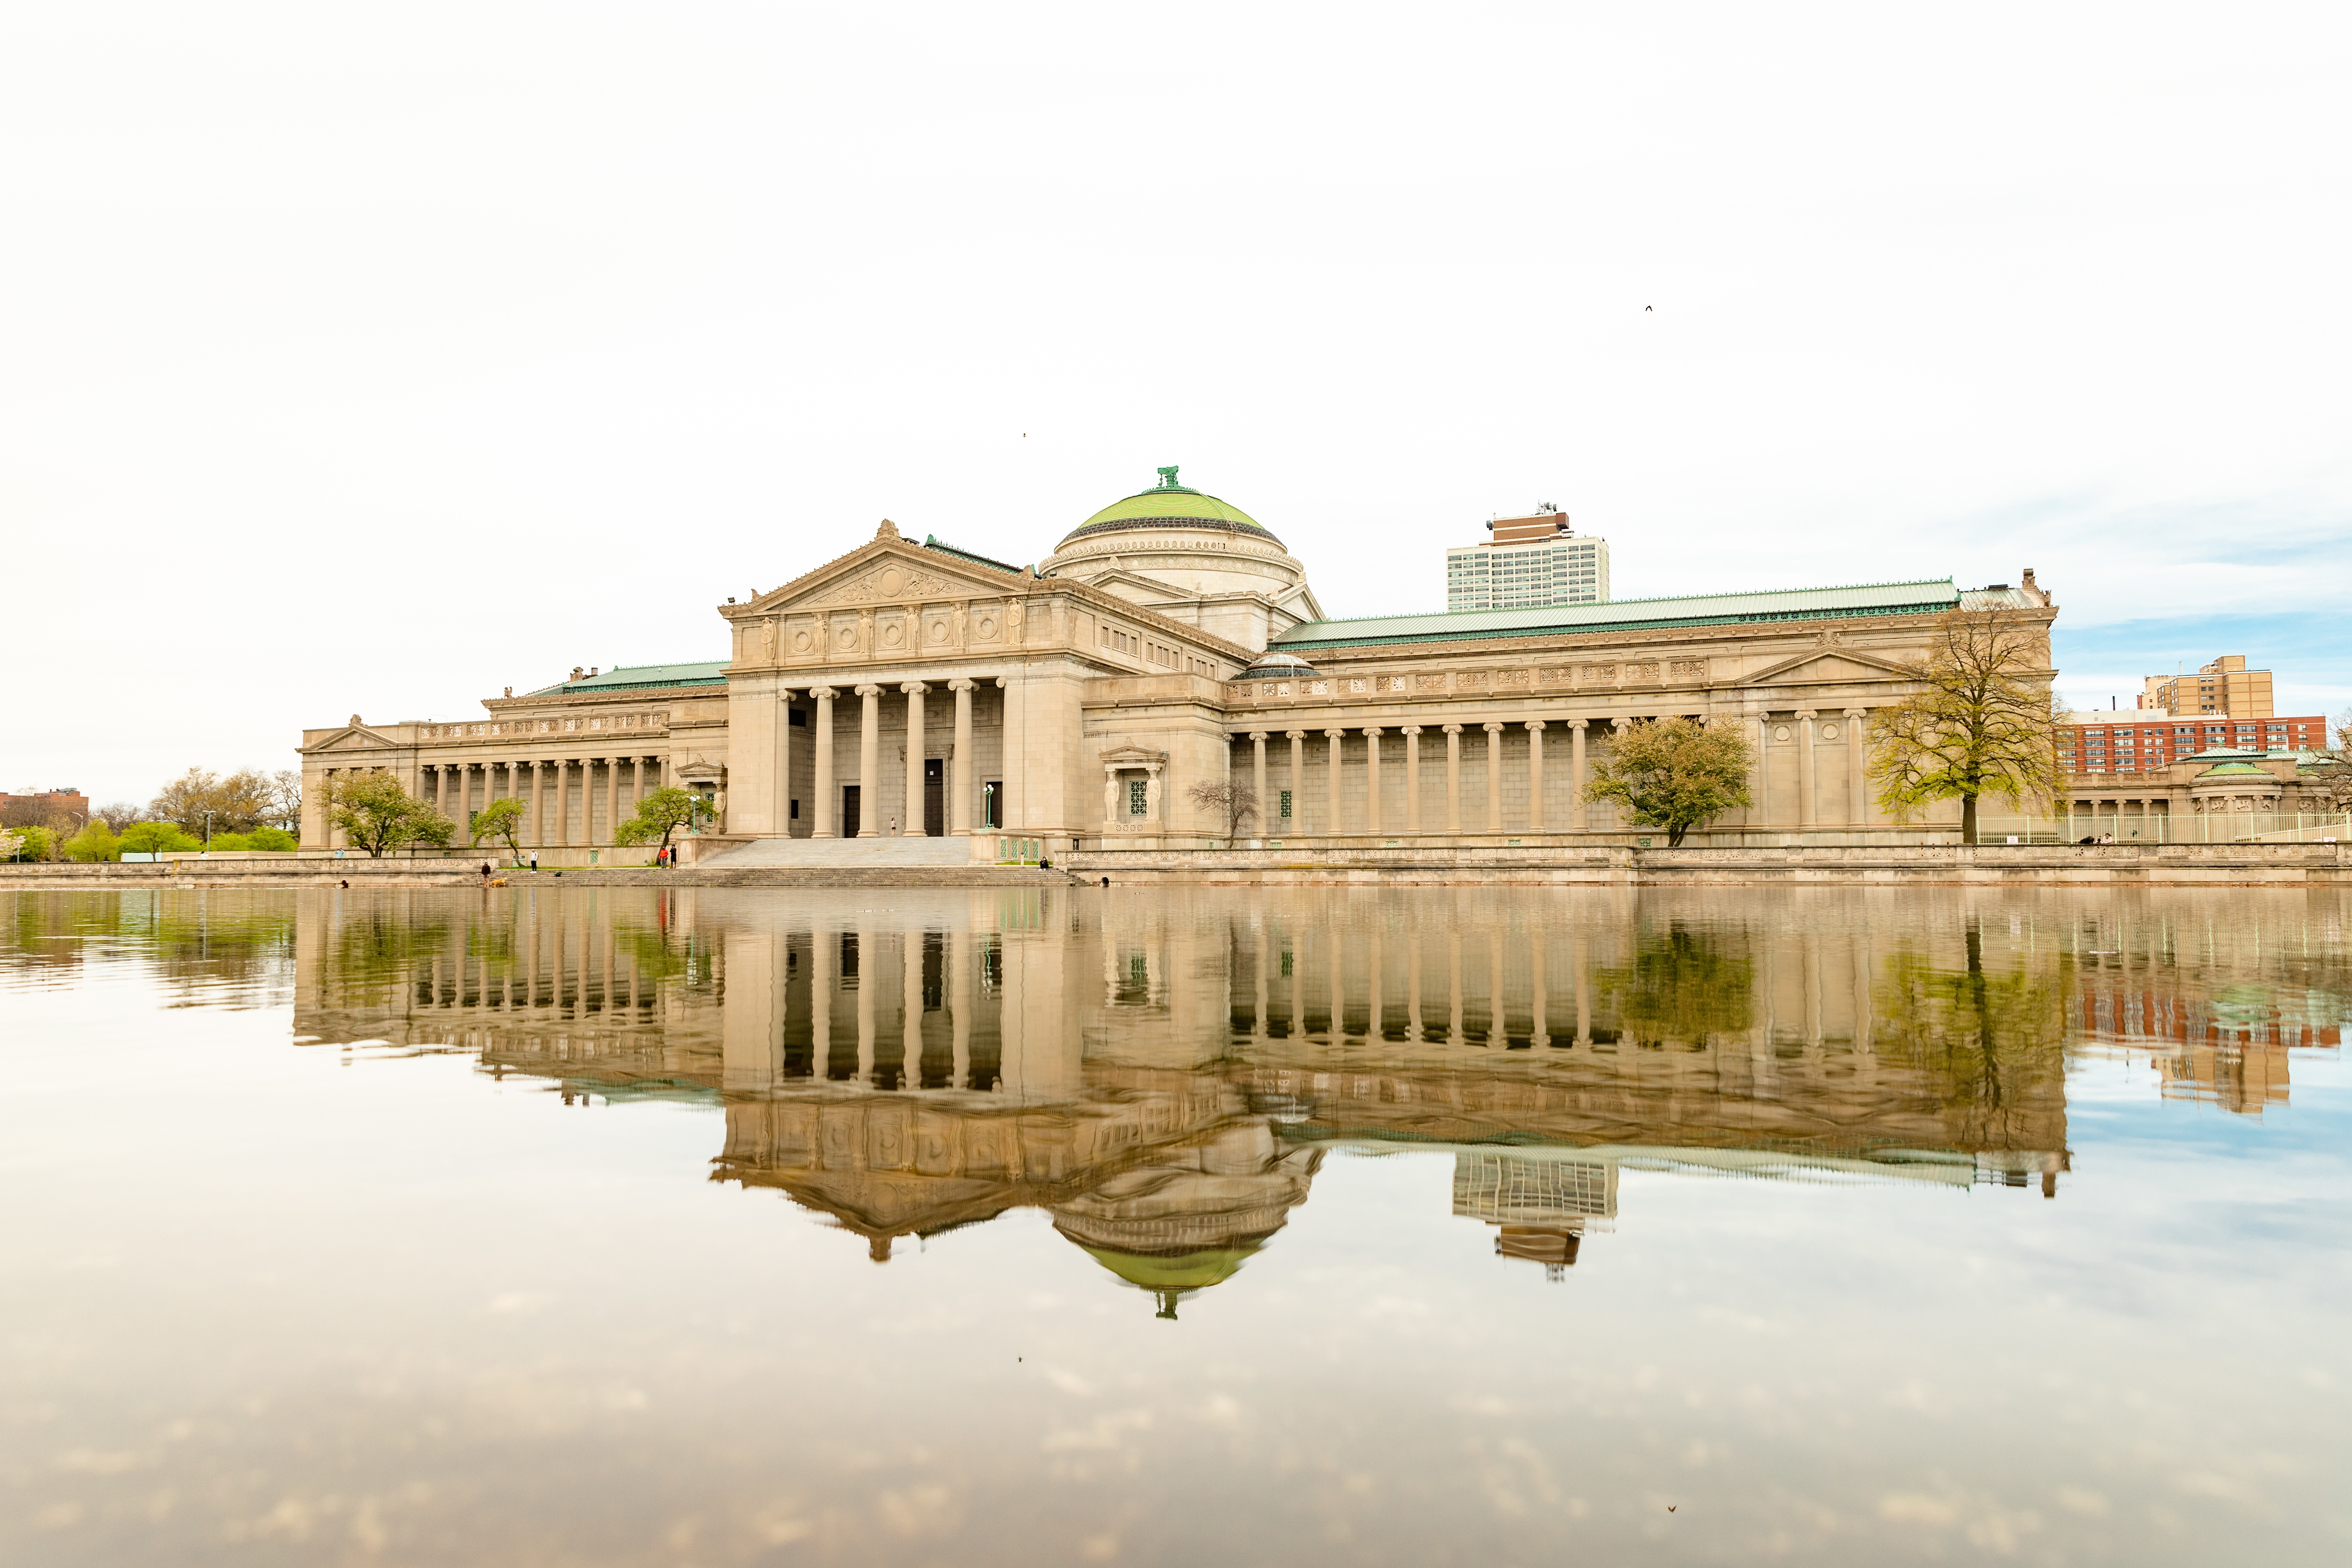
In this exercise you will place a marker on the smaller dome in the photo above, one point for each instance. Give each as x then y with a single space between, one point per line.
2231 769
1275 666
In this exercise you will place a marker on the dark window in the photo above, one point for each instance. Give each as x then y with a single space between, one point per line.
799 719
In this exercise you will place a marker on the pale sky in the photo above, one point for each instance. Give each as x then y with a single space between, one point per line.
371 363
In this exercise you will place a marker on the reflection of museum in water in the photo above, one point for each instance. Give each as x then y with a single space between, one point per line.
1163 1074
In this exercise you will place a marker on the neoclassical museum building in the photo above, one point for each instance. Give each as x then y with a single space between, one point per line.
917 691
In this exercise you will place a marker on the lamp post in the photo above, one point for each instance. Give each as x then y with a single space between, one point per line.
208 832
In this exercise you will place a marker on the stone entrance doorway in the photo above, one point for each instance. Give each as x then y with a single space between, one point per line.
849 793
935 797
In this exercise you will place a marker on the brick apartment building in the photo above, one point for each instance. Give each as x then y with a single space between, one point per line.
44 808
2135 741
2224 688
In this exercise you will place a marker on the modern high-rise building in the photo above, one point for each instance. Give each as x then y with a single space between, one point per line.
1531 560
2225 688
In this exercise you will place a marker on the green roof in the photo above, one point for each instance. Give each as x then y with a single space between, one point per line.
933 542
1932 597
2232 768
642 677
1170 505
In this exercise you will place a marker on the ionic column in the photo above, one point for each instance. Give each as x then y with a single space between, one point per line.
780 808
534 816
1411 733
1805 807
1372 779
1857 807
612 800
1257 779
821 808
1535 776
1494 777
915 829
1575 728
1763 767
1331 784
564 800
1297 739
960 770
869 763
1453 778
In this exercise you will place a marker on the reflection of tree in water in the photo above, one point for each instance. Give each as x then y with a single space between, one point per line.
1991 1045
1683 986
220 942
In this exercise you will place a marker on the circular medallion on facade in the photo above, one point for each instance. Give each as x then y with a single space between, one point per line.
893 636
800 642
891 579
1780 734
939 631
1829 731
848 639
988 626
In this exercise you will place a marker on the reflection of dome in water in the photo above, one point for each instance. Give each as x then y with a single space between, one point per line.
1193 1218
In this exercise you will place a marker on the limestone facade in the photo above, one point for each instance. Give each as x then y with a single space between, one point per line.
913 689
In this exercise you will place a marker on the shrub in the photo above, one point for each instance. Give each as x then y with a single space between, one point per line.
273 840
94 843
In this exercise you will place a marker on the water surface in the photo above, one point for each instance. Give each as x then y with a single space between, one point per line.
1418 1225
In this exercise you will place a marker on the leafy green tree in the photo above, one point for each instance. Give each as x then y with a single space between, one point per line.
500 822
159 838
1674 773
94 843
660 815
376 815
1983 721
273 840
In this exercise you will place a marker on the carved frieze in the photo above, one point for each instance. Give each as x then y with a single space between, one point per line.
891 581
1692 669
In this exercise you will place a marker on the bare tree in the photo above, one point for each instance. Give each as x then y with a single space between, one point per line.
118 816
1983 722
1234 803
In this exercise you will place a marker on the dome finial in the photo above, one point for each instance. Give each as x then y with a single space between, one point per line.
1167 478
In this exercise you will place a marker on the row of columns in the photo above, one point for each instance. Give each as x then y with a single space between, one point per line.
1805 720
453 786
824 823
1413 733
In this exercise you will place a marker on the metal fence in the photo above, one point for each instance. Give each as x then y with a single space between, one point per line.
2121 826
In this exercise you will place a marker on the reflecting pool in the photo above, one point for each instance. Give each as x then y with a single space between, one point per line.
531 1225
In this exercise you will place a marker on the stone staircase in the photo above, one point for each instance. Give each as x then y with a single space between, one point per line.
842 854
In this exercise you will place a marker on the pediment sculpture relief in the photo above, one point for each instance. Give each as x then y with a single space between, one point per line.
890 581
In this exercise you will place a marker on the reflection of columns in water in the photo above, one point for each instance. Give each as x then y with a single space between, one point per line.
959 998
824 984
1539 1018
1337 964
1413 1025
1257 930
867 974
910 1005
1498 1029
1453 986
1812 993
1372 1006
1583 976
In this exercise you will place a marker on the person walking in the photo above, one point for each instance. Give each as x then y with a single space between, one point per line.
534 861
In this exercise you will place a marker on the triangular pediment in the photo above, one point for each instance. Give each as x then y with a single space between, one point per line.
888 571
1827 667
354 740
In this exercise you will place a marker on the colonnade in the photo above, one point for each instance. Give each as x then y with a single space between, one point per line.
1803 727
533 780
961 799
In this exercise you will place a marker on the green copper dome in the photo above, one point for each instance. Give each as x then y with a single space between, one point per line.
2227 769
1170 505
